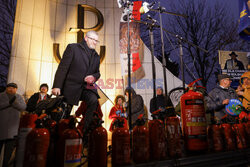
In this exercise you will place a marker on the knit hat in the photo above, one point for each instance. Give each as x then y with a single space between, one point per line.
14 85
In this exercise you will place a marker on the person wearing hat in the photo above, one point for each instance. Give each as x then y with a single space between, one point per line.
219 97
160 101
11 104
38 97
234 63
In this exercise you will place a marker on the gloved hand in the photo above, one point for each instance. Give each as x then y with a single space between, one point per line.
124 115
125 104
118 112
12 100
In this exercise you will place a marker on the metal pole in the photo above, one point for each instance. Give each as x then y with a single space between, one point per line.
129 81
129 70
181 62
163 52
152 58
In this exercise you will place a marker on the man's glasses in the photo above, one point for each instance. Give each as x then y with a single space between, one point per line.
94 40
228 79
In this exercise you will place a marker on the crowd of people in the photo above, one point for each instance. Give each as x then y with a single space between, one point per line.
74 80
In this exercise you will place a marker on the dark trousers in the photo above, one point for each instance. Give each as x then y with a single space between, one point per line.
10 145
91 100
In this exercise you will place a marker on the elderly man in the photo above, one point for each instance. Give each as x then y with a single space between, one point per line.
11 104
219 97
76 73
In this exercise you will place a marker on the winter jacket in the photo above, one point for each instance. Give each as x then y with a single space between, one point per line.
160 101
78 61
216 97
10 107
34 100
137 106
113 116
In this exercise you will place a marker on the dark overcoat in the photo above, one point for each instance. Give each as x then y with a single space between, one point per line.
32 102
78 61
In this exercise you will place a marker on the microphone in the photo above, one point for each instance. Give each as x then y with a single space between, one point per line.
150 18
120 3
146 7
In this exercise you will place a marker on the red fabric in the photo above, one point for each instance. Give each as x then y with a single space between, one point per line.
82 111
136 62
136 10
113 116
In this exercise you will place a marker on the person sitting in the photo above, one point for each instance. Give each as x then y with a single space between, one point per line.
243 90
117 111
37 97
219 97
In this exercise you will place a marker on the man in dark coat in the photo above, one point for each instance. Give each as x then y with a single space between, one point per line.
76 73
160 101
234 63
38 97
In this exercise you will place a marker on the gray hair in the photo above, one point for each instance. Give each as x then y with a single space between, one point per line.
89 33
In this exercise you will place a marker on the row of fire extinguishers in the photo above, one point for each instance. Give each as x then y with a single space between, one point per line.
43 142
164 138
224 136
158 141
230 134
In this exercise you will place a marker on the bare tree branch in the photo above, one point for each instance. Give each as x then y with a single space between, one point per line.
209 27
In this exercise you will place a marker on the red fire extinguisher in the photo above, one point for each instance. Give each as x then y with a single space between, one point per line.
247 130
51 125
70 145
27 123
37 145
215 138
244 118
157 138
229 138
174 137
62 126
240 135
193 120
97 153
140 141
120 144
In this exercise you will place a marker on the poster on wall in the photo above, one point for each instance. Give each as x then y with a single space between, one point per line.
136 49
234 64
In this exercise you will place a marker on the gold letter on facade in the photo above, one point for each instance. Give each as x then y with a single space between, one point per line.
81 29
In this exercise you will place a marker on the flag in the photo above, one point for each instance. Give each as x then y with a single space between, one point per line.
244 25
136 57
103 97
